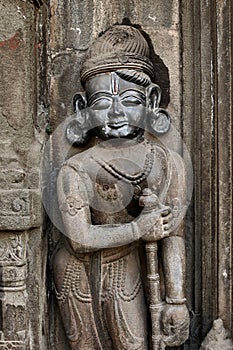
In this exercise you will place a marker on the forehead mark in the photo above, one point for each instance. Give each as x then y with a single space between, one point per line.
114 84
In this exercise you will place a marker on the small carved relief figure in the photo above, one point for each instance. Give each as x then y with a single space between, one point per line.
119 272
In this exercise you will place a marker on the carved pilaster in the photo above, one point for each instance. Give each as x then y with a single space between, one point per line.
13 295
223 66
20 155
207 121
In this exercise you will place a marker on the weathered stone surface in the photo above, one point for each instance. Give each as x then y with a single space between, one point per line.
20 157
19 166
20 154
161 14
217 338
64 83
16 72
12 15
12 177
74 33
167 46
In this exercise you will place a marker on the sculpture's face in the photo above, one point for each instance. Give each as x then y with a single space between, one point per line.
117 106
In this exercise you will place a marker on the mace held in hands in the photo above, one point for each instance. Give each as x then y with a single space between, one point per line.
150 202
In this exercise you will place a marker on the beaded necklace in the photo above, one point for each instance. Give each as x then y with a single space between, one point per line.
128 178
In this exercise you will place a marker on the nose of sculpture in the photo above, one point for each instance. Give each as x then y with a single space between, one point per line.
116 112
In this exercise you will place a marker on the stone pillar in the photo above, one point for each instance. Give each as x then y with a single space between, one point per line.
207 120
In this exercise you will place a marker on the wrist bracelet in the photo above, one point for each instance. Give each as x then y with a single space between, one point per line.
175 301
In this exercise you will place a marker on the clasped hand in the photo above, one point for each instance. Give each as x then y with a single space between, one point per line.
156 224
175 324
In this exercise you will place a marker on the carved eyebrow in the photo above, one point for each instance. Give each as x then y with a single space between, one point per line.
97 95
107 94
142 95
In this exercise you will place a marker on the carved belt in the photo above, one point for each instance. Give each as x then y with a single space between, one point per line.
112 254
107 255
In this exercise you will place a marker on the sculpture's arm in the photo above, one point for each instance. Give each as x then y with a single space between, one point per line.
175 316
74 206
173 256
173 247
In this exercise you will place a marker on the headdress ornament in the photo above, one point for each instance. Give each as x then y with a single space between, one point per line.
120 47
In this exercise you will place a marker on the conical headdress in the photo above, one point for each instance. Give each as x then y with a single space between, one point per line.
120 47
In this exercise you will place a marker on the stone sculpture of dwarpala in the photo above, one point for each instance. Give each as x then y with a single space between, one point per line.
119 270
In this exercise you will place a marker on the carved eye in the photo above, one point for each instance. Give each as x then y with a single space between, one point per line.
102 103
131 101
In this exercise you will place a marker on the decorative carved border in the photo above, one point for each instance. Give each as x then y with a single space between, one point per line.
19 209
12 345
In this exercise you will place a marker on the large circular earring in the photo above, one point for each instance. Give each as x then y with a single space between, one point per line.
77 130
160 121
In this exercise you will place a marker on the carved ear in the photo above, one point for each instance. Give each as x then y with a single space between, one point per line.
77 127
79 102
153 96
76 132
159 119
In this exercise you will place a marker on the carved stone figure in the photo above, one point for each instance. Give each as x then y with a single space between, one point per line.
119 270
